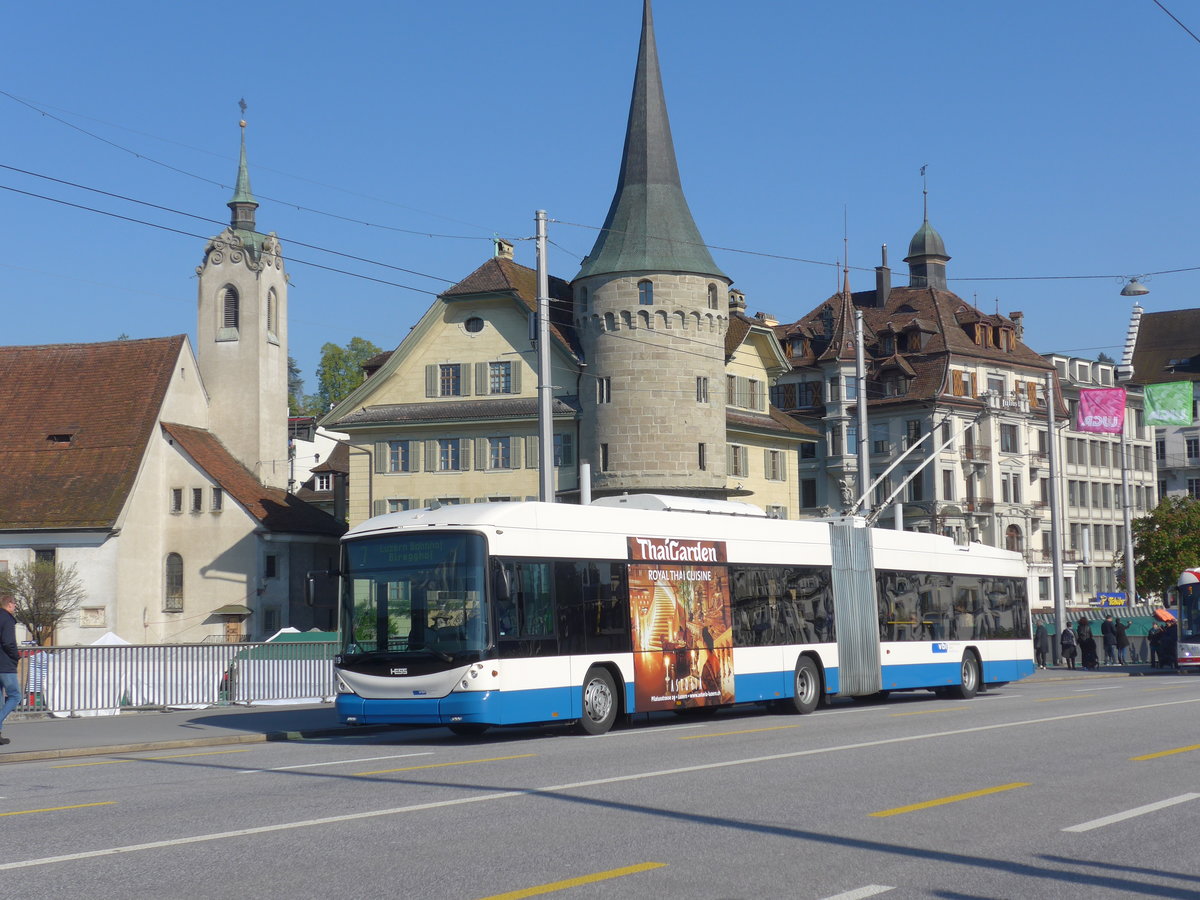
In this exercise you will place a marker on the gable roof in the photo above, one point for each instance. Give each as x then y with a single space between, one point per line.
1167 348
274 508
100 401
500 275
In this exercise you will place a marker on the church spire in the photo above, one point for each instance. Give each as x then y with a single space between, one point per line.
242 204
649 225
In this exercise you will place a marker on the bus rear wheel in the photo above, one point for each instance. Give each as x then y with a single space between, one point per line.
599 702
807 686
969 684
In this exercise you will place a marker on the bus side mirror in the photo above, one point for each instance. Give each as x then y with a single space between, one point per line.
320 587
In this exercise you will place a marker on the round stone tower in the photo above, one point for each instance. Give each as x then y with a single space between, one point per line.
651 308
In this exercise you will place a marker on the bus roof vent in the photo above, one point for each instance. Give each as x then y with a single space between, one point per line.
668 503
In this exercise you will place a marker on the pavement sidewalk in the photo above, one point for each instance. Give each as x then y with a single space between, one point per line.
41 737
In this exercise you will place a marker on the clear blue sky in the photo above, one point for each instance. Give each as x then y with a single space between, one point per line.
1061 140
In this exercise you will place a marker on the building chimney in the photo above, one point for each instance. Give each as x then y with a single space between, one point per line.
766 319
504 249
1018 318
883 281
737 301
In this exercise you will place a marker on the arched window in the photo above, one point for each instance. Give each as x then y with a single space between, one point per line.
229 307
173 584
646 293
712 297
272 312
1012 539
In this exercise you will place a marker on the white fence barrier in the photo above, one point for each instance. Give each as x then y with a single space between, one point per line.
103 680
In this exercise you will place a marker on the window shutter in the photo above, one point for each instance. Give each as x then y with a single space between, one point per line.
481 378
531 451
956 383
1031 387
974 388
378 507
514 449
767 473
433 462
381 456
516 377
481 453
729 454
465 369
431 381
414 456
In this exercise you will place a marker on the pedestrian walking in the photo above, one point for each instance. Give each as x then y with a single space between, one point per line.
10 685
1067 643
1154 639
1108 634
1041 645
1121 628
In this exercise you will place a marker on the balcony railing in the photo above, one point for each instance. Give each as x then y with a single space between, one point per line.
976 453
979 504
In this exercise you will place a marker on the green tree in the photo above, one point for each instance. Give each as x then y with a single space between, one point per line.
1165 542
296 398
340 371
45 592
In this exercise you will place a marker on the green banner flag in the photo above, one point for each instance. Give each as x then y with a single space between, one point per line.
1169 404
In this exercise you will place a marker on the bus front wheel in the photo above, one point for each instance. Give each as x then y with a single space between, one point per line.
807 686
467 729
969 685
599 702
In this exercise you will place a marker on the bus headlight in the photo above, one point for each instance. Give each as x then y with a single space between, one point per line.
341 686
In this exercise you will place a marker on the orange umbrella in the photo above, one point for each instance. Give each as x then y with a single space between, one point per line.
1164 616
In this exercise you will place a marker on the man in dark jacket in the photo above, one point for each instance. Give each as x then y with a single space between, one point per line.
1109 634
9 685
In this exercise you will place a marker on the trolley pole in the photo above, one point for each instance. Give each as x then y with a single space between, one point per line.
545 387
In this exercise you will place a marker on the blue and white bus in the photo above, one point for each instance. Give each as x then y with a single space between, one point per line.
517 613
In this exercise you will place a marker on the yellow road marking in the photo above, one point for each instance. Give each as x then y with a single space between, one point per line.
576 882
945 800
465 762
692 737
25 812
116 762
927 712
1048 699
1163 753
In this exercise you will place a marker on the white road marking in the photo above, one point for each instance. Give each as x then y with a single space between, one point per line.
1133 813
869 890
558 788
1116 687
339 762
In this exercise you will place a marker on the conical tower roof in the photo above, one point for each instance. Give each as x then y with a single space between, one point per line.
242 204
649 225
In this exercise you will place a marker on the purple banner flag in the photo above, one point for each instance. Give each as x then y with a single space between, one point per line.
1101 410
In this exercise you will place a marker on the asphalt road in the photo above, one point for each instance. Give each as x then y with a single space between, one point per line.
1057 789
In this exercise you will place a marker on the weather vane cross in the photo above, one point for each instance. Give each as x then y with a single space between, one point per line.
242 105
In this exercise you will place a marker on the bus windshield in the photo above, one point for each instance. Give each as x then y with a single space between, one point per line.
415 593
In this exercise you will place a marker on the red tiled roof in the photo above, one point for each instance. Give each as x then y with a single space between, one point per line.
101 401
276 509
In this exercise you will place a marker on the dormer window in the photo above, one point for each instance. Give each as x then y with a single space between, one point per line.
59 440
887 344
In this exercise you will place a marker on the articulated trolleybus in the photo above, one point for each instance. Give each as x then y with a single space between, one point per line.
518 613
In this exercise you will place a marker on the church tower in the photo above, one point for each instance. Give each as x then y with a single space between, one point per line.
652 309
242 337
